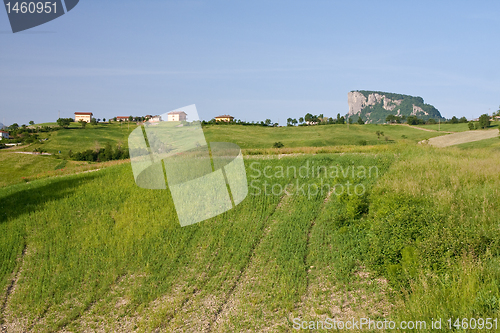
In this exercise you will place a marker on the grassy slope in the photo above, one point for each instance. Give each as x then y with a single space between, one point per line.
79 139
311 136
103 253
488 143
90 246
248 137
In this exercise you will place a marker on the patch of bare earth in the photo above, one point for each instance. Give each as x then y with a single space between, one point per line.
362 297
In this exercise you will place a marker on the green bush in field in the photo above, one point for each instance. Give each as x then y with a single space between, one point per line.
484 121
471 125
278 144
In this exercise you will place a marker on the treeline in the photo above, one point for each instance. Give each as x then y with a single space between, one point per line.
25 134
101 155
308 119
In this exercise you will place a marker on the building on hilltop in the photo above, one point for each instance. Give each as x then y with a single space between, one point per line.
122 118
176 116
4 135
83 116
155 119
226 118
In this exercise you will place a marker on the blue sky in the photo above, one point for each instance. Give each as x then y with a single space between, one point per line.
251 59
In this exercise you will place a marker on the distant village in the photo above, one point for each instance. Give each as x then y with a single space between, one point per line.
171 116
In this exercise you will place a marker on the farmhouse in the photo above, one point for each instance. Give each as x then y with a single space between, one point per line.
122 118
83 116
155 119
176 116
4 135
226 118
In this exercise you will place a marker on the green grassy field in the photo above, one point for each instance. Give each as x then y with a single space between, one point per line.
78 139
493 143
93 251
247 137
312 136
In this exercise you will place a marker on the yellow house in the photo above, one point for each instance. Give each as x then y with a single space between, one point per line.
226 118
176 116
85 116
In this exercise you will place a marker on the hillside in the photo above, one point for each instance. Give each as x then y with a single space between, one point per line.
94 252
374 106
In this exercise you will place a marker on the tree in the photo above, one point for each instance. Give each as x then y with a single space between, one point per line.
379 134
301 120
268 122
454 120
93 121
104 120
471 125
432 121
130 118
294 121
32 122
412 120
83 123
484 121
114 118
308 117
360 121
350 121
64 122
462 120
289 122
341 120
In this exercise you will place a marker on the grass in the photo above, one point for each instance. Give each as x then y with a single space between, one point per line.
93 251
79 139
84 238
487 143
252 137
21 168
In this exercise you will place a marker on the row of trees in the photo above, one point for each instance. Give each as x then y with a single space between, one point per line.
100 155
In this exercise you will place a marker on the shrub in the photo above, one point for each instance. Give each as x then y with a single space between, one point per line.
278 144
362 142
471 125
484 121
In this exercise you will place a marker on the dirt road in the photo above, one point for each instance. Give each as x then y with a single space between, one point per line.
462 137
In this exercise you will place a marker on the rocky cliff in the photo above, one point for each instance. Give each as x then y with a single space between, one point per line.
374 106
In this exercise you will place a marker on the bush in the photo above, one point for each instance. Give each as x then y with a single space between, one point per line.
362 142
278 144
484 121
102 155
471 125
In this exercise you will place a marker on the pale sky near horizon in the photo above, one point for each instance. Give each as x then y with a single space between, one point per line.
250 59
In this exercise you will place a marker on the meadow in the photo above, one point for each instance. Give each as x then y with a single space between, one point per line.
93 251
415 238
251 137
77 139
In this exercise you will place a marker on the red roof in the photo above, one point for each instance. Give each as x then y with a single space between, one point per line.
177 112
4 132
225 116
83 113
122 117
